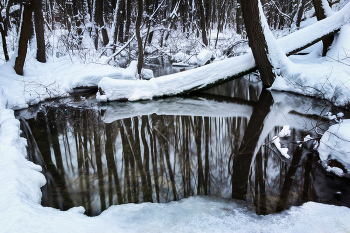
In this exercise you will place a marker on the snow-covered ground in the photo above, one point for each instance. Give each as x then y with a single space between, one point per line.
20 180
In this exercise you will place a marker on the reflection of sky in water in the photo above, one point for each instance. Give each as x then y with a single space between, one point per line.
168 149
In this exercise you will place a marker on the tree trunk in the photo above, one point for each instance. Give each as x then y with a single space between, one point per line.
239 17
76 17
24 37
202 22
321 14
257 40
139 39
242 160
99 23
3 36
121 22
39 30
128 20
301 12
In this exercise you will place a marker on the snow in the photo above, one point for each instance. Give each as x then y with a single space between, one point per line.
328 77
335 145
203 57
325 77
56 78
147 74
312 75
101 98
283 151
285 132
180 64
175 83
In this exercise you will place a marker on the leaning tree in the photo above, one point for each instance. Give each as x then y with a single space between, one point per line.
257 40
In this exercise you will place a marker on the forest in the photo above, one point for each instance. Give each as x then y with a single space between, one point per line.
128 30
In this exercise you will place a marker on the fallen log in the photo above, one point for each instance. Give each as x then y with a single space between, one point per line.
220 72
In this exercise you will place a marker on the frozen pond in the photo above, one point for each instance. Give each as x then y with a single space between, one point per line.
214 143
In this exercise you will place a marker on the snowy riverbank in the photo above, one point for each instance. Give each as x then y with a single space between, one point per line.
20 209
20 195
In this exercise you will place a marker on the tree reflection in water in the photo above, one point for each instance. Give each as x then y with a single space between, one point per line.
161 158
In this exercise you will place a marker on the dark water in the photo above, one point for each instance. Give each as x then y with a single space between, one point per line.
166 69
214 143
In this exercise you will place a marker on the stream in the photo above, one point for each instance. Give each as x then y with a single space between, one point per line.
217 142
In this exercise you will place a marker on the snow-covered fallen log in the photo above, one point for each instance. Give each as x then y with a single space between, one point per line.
220 72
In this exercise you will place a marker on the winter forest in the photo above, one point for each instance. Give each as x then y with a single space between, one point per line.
174 116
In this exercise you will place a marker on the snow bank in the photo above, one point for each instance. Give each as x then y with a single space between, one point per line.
335 145
323 77
56 78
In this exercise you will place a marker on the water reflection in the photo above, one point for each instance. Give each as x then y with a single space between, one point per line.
165 150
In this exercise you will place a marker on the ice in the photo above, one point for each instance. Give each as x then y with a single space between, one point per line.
335 144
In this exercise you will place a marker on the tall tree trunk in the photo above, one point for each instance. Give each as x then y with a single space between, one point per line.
24 37
239 17
121 22
3 37
202 22
39 30
257 40
76 16
98 16
241 165
321 14
300 12
128 20
139 39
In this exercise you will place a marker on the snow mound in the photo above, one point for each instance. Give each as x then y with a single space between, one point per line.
203 57
324 77
335 145
147 74
131 71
